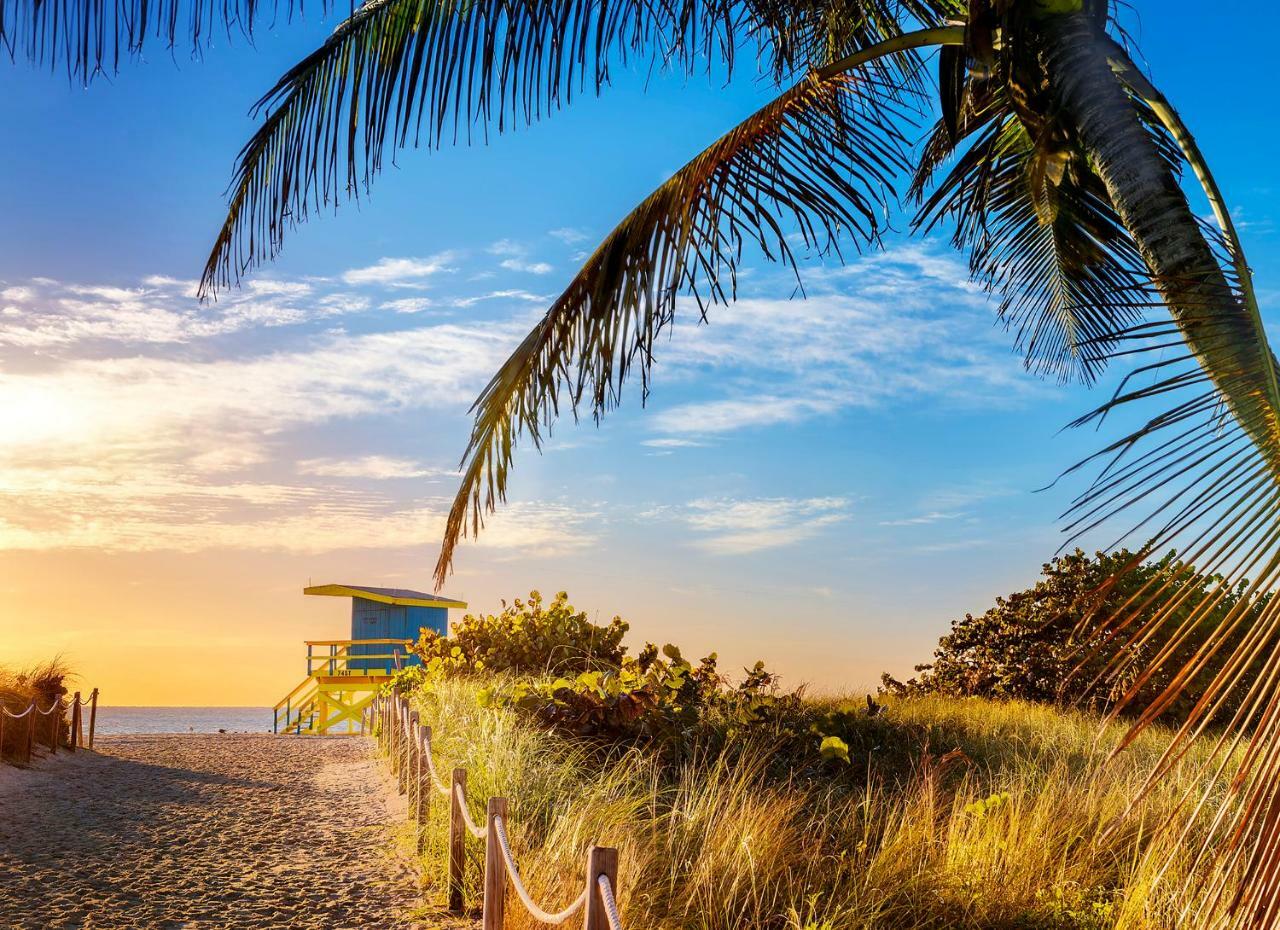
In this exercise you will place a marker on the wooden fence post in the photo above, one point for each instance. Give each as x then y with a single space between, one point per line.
391 737
415 763
402 752
54 717
2 716
75 721
31 734
424 787
93 714
601 860
495 870
457 840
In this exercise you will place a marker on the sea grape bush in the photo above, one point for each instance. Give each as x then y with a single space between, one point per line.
528 636
549 661
657 696
1025 647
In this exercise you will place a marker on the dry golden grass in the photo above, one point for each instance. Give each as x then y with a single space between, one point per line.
1022 829
42 683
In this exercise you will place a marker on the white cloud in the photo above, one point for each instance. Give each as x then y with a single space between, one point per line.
923 519
370 466
905 325
516 258
54 317
719 416
145 403
519 264
672 443
170 513
730 526
568 235
507 294
282 288
392 272
409 304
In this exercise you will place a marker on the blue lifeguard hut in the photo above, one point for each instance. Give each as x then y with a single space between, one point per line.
388 614
344 675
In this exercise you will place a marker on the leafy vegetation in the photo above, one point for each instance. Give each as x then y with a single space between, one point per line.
738 805
527 636
951 813
554 666
1036 645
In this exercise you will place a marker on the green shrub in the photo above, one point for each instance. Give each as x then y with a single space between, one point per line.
526 637
1026 646
656 697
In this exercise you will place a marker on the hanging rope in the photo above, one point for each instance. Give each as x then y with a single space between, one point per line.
538 913
431 769
610 905
478 832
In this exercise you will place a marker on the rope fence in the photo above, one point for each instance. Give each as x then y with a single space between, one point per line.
43 726
406 744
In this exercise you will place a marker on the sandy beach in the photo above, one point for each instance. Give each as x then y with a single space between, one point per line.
243 832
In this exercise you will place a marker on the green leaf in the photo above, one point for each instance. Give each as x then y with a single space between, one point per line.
833 747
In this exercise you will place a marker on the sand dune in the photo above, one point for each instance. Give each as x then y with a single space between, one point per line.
195 831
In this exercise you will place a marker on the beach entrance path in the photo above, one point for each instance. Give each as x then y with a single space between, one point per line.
192 831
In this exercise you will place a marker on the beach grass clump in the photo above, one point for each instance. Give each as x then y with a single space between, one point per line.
42 683
976 814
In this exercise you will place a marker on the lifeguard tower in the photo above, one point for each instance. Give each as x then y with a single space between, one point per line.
344 675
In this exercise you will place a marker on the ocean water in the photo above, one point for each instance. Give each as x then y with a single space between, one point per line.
118 721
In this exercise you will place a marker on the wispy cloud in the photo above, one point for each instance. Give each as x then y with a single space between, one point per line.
515 257
923 519
728 526
400 271
895 327
568 235
162 311
378 467
527 267
408 304
671 442
505 294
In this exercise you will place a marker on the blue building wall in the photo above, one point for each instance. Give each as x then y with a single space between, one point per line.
374 620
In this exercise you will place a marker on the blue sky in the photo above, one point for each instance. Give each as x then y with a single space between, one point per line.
821 483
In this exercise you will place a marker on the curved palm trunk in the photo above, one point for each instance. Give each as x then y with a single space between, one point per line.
1224 336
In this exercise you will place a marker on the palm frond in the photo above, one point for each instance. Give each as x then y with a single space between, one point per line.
430 72
90 38
819 160
1203 474
801 35
1069 279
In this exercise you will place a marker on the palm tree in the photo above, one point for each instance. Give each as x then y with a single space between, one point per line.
1055 160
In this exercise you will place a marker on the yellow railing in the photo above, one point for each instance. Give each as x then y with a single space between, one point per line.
337 661
333 658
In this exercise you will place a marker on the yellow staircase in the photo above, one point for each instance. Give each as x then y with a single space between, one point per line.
340 685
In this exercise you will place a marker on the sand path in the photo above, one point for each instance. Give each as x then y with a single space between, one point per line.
184 832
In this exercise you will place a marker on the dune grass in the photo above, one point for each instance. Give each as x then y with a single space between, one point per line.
43 683
965 814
